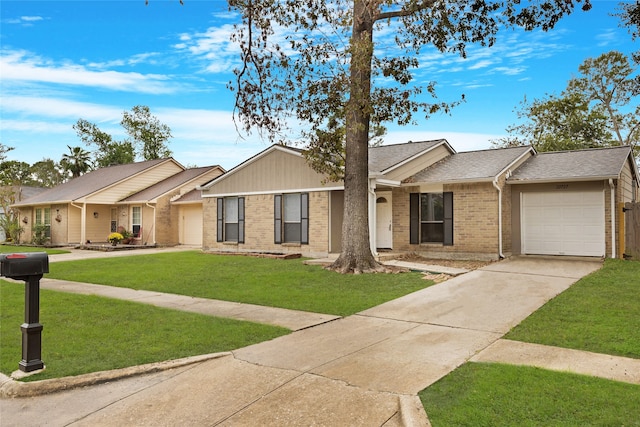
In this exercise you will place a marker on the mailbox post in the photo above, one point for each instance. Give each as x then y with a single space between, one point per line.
28 267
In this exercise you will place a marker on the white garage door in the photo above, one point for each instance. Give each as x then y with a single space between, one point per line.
191 225
563 223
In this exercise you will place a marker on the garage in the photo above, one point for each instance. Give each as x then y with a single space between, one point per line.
563 223
191 225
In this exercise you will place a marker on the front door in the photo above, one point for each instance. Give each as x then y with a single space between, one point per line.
384 231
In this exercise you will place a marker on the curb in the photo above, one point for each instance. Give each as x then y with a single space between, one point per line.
10 388
412 412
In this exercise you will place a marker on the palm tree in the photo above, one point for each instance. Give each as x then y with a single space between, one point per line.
78 161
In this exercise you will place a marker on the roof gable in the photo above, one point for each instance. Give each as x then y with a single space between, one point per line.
470 166
173 183
384 158
577 165
92 182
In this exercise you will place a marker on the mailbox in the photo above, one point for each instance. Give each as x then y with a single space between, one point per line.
21 265
28 267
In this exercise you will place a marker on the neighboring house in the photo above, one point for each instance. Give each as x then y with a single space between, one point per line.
136 196
19 192
426 198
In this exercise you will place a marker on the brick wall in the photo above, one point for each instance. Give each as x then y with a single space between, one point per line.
475 223
259 227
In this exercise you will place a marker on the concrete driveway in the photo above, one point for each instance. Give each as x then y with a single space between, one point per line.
361 370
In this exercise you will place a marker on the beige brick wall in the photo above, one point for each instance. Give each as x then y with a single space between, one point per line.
259 227
167 221
475 224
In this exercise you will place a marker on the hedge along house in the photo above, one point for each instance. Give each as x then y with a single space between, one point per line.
423 198
88 208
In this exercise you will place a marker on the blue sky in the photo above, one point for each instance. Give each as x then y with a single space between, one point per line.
65 60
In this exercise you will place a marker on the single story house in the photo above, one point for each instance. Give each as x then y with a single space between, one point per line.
425 197
137 197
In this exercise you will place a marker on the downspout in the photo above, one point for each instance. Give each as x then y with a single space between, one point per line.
372 218
497 187
613 220
83 223
153 226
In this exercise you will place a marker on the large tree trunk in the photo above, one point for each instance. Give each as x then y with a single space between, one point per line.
356 256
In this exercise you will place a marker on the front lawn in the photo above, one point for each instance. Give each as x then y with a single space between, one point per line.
494 395
269 282
9 249
88 333
599 313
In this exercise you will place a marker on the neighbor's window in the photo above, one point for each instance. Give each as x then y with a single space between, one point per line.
291 218
43 217
230 211
136 221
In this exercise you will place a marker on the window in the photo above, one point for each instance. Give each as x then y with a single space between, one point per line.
291 218
136 221
114 220
431 218
43 217
230 219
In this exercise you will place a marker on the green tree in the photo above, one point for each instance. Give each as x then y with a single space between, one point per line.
630 16
46 173
77 162
13 172
597 109
108 152
3 151
147 133
316 59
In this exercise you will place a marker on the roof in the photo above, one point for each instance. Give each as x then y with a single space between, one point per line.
169 184
90 183
577 165
483 165
384 157
192 196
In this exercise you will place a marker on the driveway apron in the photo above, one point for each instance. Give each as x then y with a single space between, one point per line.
353 371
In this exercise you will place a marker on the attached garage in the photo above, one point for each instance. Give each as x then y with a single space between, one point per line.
563 223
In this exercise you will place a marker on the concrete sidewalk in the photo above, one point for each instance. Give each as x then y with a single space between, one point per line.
361 370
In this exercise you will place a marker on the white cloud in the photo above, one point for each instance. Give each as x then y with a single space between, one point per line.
19 66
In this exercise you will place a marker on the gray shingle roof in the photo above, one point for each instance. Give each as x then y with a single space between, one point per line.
600 163
194 195
169 184
471 165
89 183
385 156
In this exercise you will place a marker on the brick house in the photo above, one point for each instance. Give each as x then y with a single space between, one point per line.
428 199
139 197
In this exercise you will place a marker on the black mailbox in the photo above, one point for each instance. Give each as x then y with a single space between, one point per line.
28 267
20 265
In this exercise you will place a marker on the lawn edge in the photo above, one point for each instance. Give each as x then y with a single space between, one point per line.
10 388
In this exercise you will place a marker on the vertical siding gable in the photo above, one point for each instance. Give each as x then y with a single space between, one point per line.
134 183
277 170
420 163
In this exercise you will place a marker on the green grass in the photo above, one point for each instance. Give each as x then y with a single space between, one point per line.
7 249
599 313
500 395
88 333
270 282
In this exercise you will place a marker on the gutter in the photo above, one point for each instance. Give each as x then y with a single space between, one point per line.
372 217
613 219
497 187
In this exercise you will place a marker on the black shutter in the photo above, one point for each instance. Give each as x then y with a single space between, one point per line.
240 219
277 218
414 218
220 220
304 218
448 218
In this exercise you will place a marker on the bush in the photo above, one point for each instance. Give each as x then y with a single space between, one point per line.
40 234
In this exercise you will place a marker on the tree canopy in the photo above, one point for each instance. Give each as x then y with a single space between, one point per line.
148 138
597 109
343 66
